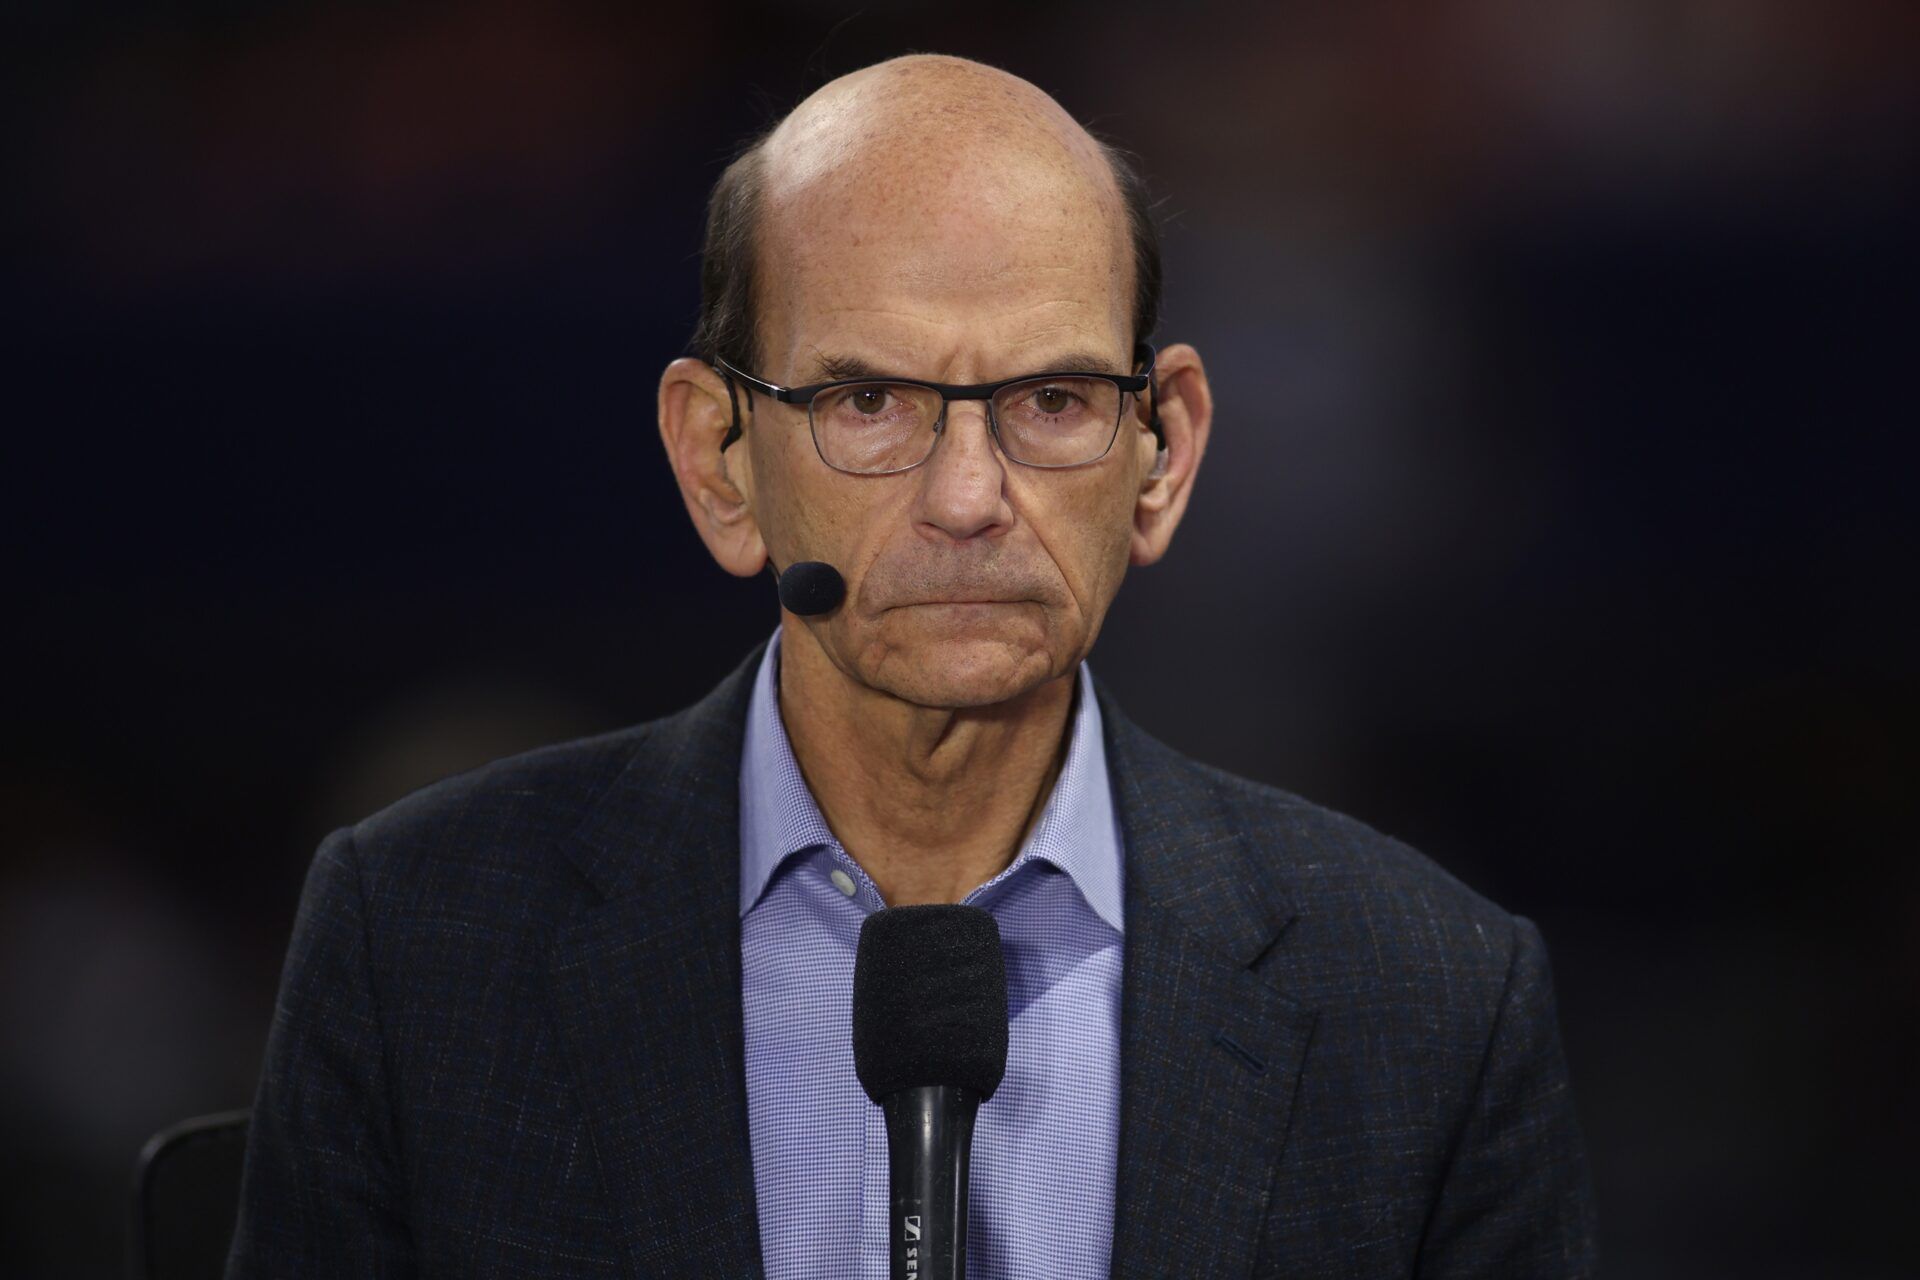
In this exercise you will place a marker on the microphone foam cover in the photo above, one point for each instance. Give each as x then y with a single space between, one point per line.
811 586
929 1001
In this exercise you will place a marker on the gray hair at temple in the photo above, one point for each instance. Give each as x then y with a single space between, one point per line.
728 328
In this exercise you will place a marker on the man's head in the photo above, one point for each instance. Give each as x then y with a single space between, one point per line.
933 218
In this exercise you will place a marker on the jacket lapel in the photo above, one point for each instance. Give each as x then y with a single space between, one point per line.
1211 1051
645 988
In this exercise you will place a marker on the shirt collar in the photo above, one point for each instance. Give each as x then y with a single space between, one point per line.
1077 831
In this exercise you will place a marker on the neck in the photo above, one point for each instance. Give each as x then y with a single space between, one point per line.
930 801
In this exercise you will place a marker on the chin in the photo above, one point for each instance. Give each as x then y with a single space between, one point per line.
962 667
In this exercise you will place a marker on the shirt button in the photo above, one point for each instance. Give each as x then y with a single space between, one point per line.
843 882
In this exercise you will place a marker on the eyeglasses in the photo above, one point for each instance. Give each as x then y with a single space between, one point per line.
879 426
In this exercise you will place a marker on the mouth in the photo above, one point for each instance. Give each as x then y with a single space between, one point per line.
965 603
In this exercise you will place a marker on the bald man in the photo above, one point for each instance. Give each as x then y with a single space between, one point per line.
586 1011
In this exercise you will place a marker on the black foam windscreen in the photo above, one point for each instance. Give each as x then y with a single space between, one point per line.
810 587
929 1001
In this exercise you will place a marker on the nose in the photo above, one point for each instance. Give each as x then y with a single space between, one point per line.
963 481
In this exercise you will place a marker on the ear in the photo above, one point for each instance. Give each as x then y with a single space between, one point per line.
1185 405
695 412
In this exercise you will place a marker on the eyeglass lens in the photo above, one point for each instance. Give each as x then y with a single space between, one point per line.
875 427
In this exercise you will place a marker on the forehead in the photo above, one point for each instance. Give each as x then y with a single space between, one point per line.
940 244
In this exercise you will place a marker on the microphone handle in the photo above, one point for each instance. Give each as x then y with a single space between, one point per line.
929 1137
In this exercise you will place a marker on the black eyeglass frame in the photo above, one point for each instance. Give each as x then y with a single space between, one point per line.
1127 383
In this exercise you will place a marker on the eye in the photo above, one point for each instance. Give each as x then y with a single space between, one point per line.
867 400
871 406
1052 400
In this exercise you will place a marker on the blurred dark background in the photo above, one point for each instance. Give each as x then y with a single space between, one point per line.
1557 518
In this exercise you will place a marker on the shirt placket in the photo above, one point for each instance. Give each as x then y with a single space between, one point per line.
875 1180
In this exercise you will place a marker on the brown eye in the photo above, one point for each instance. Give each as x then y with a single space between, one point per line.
1052 400
868 400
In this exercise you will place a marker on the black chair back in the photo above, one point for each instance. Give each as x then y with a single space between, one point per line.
186 1196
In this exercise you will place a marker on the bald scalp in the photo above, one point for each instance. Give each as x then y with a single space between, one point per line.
929 110
908 143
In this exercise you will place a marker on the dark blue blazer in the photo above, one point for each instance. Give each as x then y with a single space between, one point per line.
509 1041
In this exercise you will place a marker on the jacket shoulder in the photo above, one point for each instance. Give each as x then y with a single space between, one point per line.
532 793
476 846
1360 913
515 814
1338 863
1392 924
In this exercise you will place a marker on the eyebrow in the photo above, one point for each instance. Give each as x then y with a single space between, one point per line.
834 368
839 368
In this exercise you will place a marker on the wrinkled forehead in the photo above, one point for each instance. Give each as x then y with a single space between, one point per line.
939 209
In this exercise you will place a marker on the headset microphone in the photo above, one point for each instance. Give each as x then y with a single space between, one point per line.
811 587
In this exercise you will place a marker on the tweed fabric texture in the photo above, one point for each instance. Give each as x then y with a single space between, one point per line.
1041 1184
509 1036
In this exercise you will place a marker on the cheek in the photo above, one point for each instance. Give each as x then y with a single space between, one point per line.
1091 527
1116 542
807 511
789 511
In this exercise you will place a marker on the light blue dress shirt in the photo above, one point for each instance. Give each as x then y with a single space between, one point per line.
1044 1150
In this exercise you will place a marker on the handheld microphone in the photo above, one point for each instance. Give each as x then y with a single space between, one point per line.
810 587
929 1045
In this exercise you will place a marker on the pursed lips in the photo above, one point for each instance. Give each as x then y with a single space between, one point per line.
971 600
